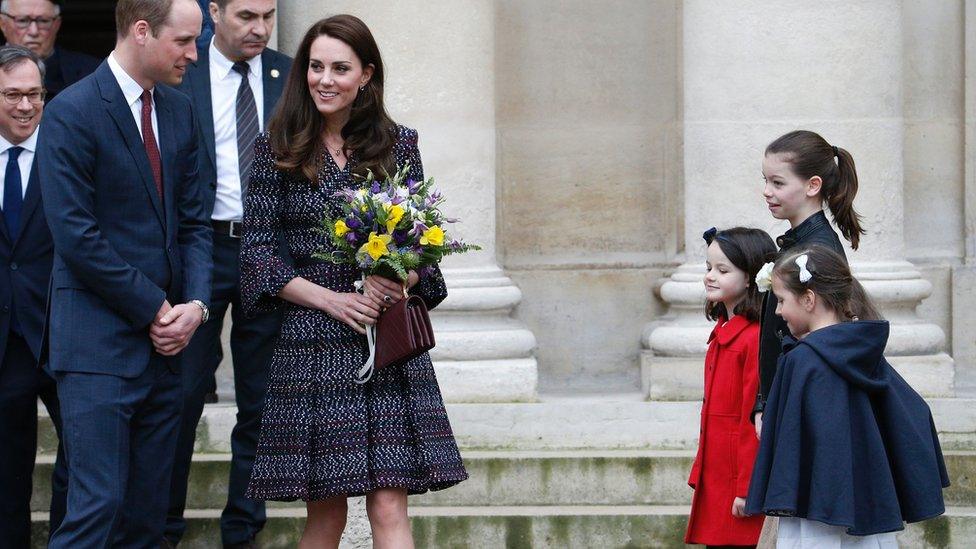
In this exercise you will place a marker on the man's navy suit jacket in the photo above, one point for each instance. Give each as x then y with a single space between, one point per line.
25 270
196 84
120 250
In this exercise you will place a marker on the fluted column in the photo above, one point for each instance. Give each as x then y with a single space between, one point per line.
752 73
439 60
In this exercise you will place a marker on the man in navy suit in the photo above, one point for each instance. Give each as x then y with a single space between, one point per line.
234 87
26 252
131 275
34 24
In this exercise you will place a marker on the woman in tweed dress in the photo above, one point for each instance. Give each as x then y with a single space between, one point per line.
323 437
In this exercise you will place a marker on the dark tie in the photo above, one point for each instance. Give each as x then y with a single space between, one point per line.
149 141
247 124
13 199
13 192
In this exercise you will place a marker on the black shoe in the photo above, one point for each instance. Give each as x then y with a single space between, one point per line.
210 398
166 544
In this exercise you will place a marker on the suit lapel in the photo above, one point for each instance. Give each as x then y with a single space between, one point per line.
31 199
273 77
198 77
120 112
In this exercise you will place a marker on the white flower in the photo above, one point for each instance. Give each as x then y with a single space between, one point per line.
764 278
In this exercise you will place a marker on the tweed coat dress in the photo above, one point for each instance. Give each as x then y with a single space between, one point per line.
322 435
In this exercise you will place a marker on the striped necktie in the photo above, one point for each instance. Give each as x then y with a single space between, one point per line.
247 124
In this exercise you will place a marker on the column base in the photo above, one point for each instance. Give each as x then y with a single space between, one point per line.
482 353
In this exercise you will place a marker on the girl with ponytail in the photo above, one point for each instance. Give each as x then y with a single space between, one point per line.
803 172
849 451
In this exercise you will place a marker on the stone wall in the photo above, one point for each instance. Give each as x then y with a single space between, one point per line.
558 130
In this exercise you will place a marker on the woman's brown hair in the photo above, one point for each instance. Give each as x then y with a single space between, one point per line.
747 249
830 279
810 155
295 130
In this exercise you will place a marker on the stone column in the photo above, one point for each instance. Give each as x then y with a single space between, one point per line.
439 61
964 275
752 73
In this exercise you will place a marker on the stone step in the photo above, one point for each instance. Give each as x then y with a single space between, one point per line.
658 526
614 421
520 478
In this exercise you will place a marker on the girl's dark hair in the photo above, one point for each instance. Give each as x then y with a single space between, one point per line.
295 130
810 155
831 280
747 249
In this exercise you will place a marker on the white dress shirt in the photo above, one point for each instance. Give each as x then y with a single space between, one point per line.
224 82
25 160
133 95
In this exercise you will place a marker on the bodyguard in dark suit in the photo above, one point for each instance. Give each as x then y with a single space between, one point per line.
131 277
26 253
34 24
234 87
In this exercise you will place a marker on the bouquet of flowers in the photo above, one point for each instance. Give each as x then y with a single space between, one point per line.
391 227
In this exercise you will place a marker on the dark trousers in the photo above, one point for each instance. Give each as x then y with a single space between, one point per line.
21 382
119 437
252 342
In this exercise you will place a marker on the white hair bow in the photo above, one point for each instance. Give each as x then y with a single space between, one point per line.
801 262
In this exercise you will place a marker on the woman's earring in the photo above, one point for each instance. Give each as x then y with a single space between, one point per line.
362 88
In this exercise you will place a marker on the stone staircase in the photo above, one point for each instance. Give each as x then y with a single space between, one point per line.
601 471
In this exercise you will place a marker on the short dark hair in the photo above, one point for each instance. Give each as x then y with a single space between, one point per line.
748 249
154 12
12 56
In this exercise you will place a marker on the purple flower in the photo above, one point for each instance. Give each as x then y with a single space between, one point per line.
400 237
370 217
351 238
353 222
412 186
347 194
375 188
418 228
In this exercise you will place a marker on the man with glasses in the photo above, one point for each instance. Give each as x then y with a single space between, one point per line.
34 24
26 255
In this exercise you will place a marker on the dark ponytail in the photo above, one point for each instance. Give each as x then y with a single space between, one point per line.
810 155
831 280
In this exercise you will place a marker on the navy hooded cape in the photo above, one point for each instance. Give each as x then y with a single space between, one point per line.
845 440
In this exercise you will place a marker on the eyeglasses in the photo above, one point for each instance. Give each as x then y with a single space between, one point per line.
15 97
43 23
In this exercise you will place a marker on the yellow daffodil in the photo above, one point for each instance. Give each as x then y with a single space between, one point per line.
376 245
341 228
433 236
394 213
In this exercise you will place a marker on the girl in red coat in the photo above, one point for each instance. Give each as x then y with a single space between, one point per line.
727 445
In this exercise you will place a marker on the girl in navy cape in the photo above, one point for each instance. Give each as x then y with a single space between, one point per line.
849 451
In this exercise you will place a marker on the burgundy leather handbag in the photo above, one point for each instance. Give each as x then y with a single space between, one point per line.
403 332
